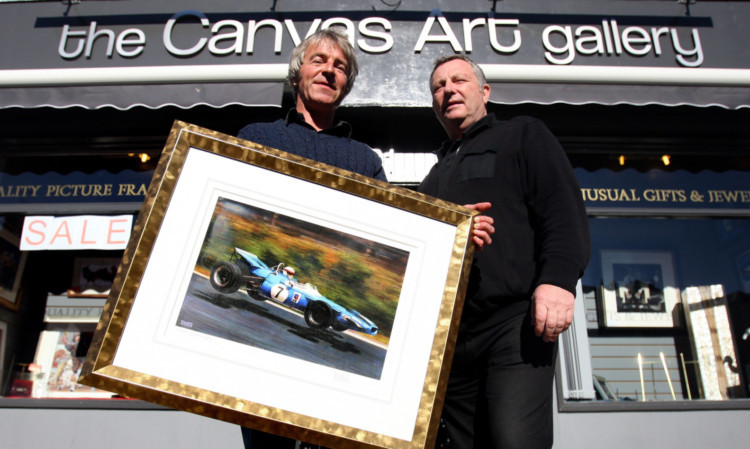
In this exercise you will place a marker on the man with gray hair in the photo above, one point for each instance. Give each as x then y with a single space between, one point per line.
322 70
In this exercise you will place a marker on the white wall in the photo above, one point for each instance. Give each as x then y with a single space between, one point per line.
160 429
113 429
665 430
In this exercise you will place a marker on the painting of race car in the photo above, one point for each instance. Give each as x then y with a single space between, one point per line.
277 283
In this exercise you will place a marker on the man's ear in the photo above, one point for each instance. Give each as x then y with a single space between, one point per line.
486 93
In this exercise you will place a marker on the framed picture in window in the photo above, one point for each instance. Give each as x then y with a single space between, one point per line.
12 263
93 277
743 268
640 289
345 349
3 339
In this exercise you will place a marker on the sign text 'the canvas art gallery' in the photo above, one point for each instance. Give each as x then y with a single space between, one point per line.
189 33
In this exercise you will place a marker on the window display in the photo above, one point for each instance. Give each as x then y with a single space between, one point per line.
692 346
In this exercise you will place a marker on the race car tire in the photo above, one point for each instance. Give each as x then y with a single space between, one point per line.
226 277
318 315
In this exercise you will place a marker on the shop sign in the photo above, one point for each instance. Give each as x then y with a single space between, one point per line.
656 189
102 186
150 43
62 309
76 232
560 43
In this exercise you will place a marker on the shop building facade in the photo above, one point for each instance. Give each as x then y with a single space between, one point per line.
650 99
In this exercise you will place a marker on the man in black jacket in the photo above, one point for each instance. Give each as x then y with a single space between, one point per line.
522 286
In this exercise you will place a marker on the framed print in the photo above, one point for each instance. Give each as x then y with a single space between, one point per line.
93 277
743 267
12 263
58 355
639 289
710 330
278 293
3 339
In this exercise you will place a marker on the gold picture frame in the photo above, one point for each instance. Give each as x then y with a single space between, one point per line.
215 198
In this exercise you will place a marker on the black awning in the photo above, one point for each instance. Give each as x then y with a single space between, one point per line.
148 95
728 88
123 54
152 87
580 94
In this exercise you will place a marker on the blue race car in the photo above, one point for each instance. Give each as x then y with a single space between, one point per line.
277 283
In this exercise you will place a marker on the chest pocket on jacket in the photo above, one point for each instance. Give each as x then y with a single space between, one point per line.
477 165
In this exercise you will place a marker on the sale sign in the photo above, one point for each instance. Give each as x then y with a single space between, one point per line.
75 232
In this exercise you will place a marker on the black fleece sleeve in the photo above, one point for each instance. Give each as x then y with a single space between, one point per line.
562 243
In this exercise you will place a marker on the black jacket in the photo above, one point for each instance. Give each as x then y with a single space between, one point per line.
541 228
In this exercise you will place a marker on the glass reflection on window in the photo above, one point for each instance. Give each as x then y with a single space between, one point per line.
667 305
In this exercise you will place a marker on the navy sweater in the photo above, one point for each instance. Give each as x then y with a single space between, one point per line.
331 146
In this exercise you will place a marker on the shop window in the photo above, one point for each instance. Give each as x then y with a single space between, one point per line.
668 307
664 304
58 307
51 297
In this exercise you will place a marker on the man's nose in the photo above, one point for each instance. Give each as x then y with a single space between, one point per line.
328 67
328 71
449 88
